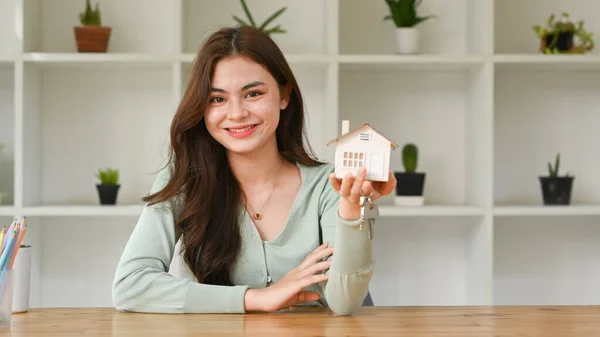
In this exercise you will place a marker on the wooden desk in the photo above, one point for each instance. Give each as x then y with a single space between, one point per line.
568 321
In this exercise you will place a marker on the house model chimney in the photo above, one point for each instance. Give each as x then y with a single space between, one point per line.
345 127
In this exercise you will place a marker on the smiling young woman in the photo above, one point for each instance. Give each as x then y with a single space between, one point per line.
256 214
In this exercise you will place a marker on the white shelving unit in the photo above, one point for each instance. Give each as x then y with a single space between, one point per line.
486 109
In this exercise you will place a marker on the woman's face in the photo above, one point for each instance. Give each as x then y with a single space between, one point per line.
245 101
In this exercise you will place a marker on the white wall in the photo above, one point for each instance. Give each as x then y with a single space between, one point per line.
485 123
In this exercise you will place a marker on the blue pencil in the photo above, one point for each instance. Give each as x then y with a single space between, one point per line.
7 251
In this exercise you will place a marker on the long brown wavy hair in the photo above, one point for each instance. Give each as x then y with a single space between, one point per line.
201 174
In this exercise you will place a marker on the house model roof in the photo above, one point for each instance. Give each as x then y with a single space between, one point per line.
365 125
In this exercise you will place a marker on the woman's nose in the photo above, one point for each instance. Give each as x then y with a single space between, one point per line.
236 111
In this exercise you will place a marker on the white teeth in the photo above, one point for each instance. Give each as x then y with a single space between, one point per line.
241 130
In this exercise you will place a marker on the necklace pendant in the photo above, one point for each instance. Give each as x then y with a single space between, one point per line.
257 216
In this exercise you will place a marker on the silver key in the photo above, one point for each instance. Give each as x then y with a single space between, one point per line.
370 213
364 202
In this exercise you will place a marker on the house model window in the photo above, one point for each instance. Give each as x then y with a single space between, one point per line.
354 159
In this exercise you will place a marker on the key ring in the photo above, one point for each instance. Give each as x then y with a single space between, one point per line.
368 197
363 193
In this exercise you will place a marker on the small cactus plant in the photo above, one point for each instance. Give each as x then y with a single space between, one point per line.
108 188
90 17
410 157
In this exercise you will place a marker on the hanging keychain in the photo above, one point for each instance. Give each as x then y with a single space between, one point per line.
369 212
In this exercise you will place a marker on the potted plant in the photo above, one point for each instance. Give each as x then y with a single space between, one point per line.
559 37
263 26
91 36
108 187
404 15
410 183
556 189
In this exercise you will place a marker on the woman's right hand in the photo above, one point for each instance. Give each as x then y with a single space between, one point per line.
288 291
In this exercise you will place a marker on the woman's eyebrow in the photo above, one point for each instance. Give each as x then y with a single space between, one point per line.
247 86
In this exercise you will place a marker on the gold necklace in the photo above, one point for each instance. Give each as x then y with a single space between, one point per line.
258 215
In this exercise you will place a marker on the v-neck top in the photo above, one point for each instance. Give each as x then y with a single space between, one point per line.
152 277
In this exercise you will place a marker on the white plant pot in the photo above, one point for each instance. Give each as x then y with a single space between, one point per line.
407 40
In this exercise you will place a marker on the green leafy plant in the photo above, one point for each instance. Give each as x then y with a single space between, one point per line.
404 13
564 28
410 157
108 176
262 27
90 17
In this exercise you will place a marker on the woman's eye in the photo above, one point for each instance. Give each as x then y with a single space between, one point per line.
216 99
253 94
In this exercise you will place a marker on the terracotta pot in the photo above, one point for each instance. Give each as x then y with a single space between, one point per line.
92 39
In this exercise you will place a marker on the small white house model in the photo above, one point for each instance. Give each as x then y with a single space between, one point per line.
363 146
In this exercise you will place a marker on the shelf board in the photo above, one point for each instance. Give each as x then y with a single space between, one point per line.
84 210
542 210
6 210
429 211
7 59
583 62
141 59
409 62
99 59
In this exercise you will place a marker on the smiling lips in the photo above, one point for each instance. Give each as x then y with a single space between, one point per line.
241 132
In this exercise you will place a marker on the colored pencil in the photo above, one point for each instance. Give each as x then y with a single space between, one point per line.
2 236
21 234
7 251
10 228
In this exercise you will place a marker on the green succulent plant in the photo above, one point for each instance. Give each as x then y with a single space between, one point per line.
404 13
91 16
108 176
410 157
553 171
263 26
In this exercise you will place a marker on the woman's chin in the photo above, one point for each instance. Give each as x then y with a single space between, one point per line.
242 148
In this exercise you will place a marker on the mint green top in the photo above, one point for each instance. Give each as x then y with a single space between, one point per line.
142 282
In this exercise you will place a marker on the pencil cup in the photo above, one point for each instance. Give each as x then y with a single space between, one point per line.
22 272
6 298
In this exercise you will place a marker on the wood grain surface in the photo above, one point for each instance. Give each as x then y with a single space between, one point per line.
522 321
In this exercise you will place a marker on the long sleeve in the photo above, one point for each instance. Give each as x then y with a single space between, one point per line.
142 282
352 264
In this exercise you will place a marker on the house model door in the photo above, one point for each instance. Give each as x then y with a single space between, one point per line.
375 166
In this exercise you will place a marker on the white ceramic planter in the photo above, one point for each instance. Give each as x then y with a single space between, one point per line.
407 40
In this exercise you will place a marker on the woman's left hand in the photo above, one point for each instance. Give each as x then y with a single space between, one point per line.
349 188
